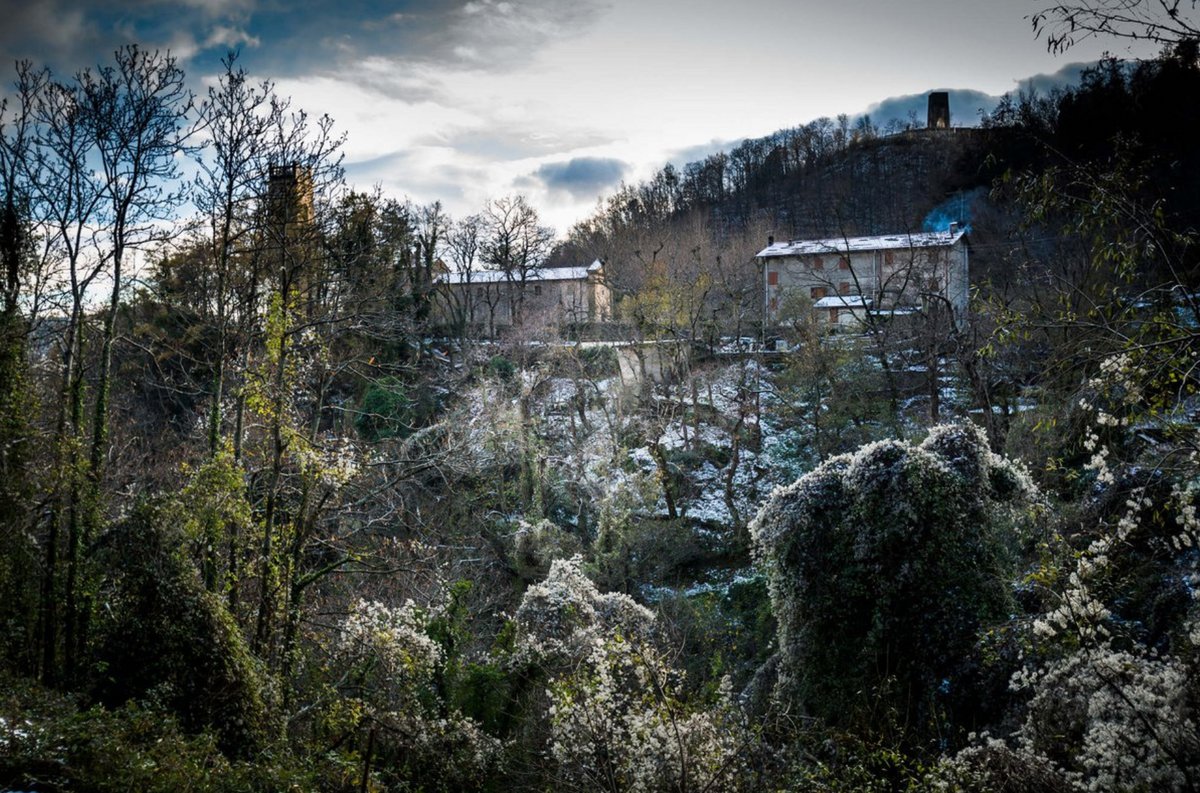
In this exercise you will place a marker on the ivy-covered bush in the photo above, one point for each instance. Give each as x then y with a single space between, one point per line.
50 741
170 642
883 566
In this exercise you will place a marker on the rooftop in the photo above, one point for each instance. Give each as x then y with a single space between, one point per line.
539 274
842 301
835 245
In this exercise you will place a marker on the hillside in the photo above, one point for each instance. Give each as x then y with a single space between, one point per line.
282 512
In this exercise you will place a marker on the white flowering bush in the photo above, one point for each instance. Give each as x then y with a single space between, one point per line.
1111 668
883 566
393 644
1099 719
617 723
619 719
1114 720
560 618
391 692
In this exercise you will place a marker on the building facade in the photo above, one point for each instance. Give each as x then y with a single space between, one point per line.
843 279
492 300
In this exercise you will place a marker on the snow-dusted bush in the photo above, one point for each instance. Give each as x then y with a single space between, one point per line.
618 716
392 693
883 566
560 619
535 546
1113 659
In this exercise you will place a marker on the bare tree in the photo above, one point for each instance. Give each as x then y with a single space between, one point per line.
236 118
517 244
1165 22
16 241
303 306
136 112
71 200
463 241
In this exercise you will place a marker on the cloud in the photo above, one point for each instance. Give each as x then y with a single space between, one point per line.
420 37
579 177
301 37
1065 77
497 139
71 35
966 105
699 151
45 32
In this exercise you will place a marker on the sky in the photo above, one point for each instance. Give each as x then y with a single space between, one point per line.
463 101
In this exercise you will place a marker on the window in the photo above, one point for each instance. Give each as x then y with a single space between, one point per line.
817 292
774 303
833 315
844 263
772 277
537 289
844 288
889 257
818 263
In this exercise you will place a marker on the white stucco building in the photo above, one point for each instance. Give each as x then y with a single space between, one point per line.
843 278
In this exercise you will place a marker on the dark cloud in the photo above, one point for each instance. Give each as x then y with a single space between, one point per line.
699 151
394 48
580 177
283 38
1066 76
46 32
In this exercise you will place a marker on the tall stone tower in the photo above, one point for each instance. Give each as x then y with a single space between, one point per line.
290 232
289 196
939 110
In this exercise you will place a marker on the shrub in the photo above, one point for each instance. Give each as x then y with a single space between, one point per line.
171 642
391 408
50 741
501 368
882 567
536 545
618 716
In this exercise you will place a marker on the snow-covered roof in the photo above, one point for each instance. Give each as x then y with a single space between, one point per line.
540 274
842 301
836 245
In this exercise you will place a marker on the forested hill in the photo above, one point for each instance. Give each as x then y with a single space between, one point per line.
831 177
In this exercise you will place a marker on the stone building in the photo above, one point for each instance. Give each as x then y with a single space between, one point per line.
843 279
491 300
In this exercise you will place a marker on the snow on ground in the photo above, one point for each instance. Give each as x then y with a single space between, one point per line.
604 455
